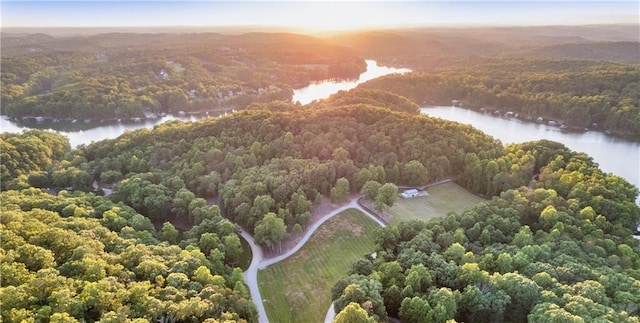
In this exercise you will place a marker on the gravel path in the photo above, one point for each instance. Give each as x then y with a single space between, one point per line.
258 262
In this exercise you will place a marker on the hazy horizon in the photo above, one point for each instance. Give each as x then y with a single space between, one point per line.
313 16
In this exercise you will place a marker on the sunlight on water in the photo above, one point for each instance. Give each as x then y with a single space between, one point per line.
324 89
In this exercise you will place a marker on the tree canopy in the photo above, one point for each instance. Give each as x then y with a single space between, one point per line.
557 245
125 76
81 257
554 240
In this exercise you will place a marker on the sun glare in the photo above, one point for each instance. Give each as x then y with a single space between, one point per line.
316 16
327 16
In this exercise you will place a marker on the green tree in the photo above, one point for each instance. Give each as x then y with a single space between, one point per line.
444 303
340 191
370 190
169 233
392 300
416 310
271 231
39 179
386 197
414 173
232 249
353 313
181 201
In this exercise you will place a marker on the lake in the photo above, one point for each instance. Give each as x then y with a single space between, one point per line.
617 156
83 133
321 90
613 155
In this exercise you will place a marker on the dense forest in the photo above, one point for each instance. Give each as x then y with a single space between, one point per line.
122 76
77 257
582 77
145 227
72 256
266 164
557 250
577 93
554 241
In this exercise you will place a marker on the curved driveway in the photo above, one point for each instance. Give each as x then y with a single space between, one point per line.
258 262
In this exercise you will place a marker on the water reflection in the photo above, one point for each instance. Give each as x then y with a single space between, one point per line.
83 133
613 155
324 89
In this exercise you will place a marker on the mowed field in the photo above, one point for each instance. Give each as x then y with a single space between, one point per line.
442 199
298 289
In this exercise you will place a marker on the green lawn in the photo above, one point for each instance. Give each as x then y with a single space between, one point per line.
298 289
442 199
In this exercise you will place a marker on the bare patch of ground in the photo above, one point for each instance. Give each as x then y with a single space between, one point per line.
344 224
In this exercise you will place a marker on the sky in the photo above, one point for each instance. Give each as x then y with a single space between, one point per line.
314 15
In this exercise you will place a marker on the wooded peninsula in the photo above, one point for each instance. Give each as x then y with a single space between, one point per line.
146 227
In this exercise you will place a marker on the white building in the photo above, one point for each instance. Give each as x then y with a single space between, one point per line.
409 193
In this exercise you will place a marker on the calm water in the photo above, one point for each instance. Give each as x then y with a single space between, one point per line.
617 156
81 133
322 90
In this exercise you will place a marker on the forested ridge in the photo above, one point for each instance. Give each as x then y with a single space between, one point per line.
421 48
562 247
623 51
578 93
122 75
158 239
262 161
580 77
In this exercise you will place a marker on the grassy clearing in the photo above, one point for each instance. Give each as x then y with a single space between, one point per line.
298 289
442 199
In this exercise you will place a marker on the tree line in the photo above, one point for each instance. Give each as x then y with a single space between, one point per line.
578 93
262 161
122 76
263 169
559 248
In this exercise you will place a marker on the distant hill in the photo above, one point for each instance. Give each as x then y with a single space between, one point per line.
627 52
419 47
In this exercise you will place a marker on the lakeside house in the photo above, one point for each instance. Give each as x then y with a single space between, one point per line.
409 193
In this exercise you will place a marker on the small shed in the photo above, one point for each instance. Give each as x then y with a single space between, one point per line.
409 193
